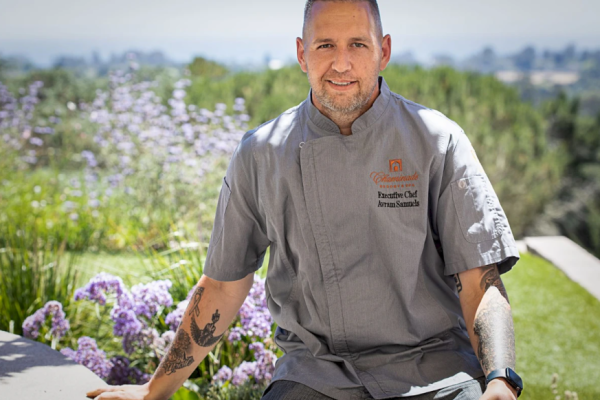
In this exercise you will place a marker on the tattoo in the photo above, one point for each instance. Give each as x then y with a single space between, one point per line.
176 357
458 284
205 337
492 278
194 309
494 328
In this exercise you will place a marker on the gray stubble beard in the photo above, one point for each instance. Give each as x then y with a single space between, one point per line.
356 104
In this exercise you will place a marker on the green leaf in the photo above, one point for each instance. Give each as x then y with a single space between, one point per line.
185 394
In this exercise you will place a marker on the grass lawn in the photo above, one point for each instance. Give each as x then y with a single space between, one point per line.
128 266
557 327
557 323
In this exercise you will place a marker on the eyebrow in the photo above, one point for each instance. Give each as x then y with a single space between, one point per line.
353 39
360 39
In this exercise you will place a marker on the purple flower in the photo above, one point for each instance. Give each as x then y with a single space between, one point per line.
261 370
255 317
33 323
174 318
123 374
265 362
161 344
235 334
90 158
146 338
126 322
223 375
36 141
90 356
98 286
148 298
243 372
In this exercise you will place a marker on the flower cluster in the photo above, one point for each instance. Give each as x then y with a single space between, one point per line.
141 138
123 374
255 323
148 298
261 370
99 286
174 318
18 124
132 311
255 318
90 356
33 323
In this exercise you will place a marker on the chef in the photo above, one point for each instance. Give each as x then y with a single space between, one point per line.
386 239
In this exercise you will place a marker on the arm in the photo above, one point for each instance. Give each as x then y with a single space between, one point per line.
212 308
488 318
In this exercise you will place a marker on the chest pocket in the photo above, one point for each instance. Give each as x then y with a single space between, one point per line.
477 208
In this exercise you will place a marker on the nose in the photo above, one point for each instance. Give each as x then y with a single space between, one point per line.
341 62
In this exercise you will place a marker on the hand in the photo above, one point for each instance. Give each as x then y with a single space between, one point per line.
499 389
125 392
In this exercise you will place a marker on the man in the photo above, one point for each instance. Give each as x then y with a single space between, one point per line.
386 240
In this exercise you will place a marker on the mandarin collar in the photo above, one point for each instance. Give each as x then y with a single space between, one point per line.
327 127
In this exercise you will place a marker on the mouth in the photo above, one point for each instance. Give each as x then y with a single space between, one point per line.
341 85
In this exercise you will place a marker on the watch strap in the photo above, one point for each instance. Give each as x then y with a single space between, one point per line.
511 377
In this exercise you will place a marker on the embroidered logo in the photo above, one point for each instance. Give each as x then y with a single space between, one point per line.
397 189
395 165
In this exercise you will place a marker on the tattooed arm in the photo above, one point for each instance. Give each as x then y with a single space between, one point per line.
212 308
488 317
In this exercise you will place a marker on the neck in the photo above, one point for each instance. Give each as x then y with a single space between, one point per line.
343 120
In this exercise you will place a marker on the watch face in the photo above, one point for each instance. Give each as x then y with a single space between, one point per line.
514 378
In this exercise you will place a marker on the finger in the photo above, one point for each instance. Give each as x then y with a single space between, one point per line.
110 396
94 393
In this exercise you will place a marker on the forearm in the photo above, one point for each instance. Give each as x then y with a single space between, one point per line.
493 335
211 310
488 317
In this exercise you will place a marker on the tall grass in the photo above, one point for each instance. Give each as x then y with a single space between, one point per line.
32 272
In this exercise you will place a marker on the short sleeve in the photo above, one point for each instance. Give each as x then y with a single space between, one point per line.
238 241
472 226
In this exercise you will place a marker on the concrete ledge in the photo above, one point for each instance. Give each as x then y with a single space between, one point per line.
522 247
33 371
579 265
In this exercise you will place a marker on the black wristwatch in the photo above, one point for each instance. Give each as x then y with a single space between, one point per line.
511 377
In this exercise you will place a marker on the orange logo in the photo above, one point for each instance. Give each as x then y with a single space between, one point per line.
395 165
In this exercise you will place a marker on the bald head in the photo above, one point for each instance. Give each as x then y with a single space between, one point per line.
372 4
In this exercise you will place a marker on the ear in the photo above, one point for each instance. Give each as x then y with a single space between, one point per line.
386 51
301 55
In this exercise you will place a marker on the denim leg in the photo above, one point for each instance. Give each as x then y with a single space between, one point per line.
470 390
288 390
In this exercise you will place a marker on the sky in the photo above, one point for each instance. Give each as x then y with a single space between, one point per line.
240 31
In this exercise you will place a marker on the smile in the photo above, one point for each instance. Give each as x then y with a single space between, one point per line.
341 83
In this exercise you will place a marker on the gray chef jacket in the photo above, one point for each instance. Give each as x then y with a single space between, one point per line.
366 232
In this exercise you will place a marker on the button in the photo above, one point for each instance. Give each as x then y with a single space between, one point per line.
462 184
301 144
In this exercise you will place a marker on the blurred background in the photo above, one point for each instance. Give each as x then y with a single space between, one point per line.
118 118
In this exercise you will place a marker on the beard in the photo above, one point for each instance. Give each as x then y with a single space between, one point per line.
344 103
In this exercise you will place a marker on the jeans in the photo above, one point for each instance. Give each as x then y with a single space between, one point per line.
288 390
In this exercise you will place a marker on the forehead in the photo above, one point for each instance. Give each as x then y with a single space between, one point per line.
336 18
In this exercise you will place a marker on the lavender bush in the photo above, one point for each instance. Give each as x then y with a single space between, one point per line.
22 129
144 319
146 166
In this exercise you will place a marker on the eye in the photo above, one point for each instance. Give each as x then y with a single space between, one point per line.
358 45
325 46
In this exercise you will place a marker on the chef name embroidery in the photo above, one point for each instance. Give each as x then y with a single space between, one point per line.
397 189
